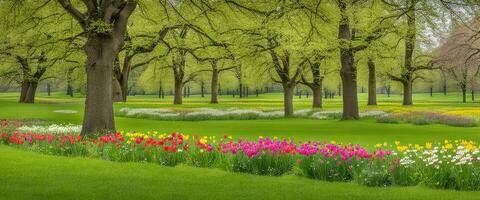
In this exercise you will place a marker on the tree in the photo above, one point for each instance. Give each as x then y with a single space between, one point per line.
216 70
136 46
122 74
30 43
407 76
282 65
318 74
459 57
347 37
104 24
418 13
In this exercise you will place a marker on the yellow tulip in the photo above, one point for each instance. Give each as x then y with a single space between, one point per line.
428 145
401 148
470 147
448 146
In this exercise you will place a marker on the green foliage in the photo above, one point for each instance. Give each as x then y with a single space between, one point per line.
302 28
99 27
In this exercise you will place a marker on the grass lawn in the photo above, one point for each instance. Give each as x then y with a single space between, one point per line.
27 175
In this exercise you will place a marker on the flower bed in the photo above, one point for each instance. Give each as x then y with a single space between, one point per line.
449 165
234 114
425 118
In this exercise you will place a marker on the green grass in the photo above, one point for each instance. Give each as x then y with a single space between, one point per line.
26 175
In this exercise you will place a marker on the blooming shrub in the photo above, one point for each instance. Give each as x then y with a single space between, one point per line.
448 165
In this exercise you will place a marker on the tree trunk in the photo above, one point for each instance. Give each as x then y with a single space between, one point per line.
202 89
125 77
464 93
349 82
24 90
49 88
288 92
473 94
214 87
372 83
388 90
117 93
240 90
69 90
348 71
160 90
409 69
99 102
407 93
177 99
30 96
317 96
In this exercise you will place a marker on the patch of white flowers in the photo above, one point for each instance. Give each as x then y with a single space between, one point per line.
438 156
66 111
199 114
463 156
302 113
232 113
373 113
53 128
326 114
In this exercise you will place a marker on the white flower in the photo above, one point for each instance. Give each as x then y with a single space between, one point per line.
302 113
66 111
373 113
54 128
